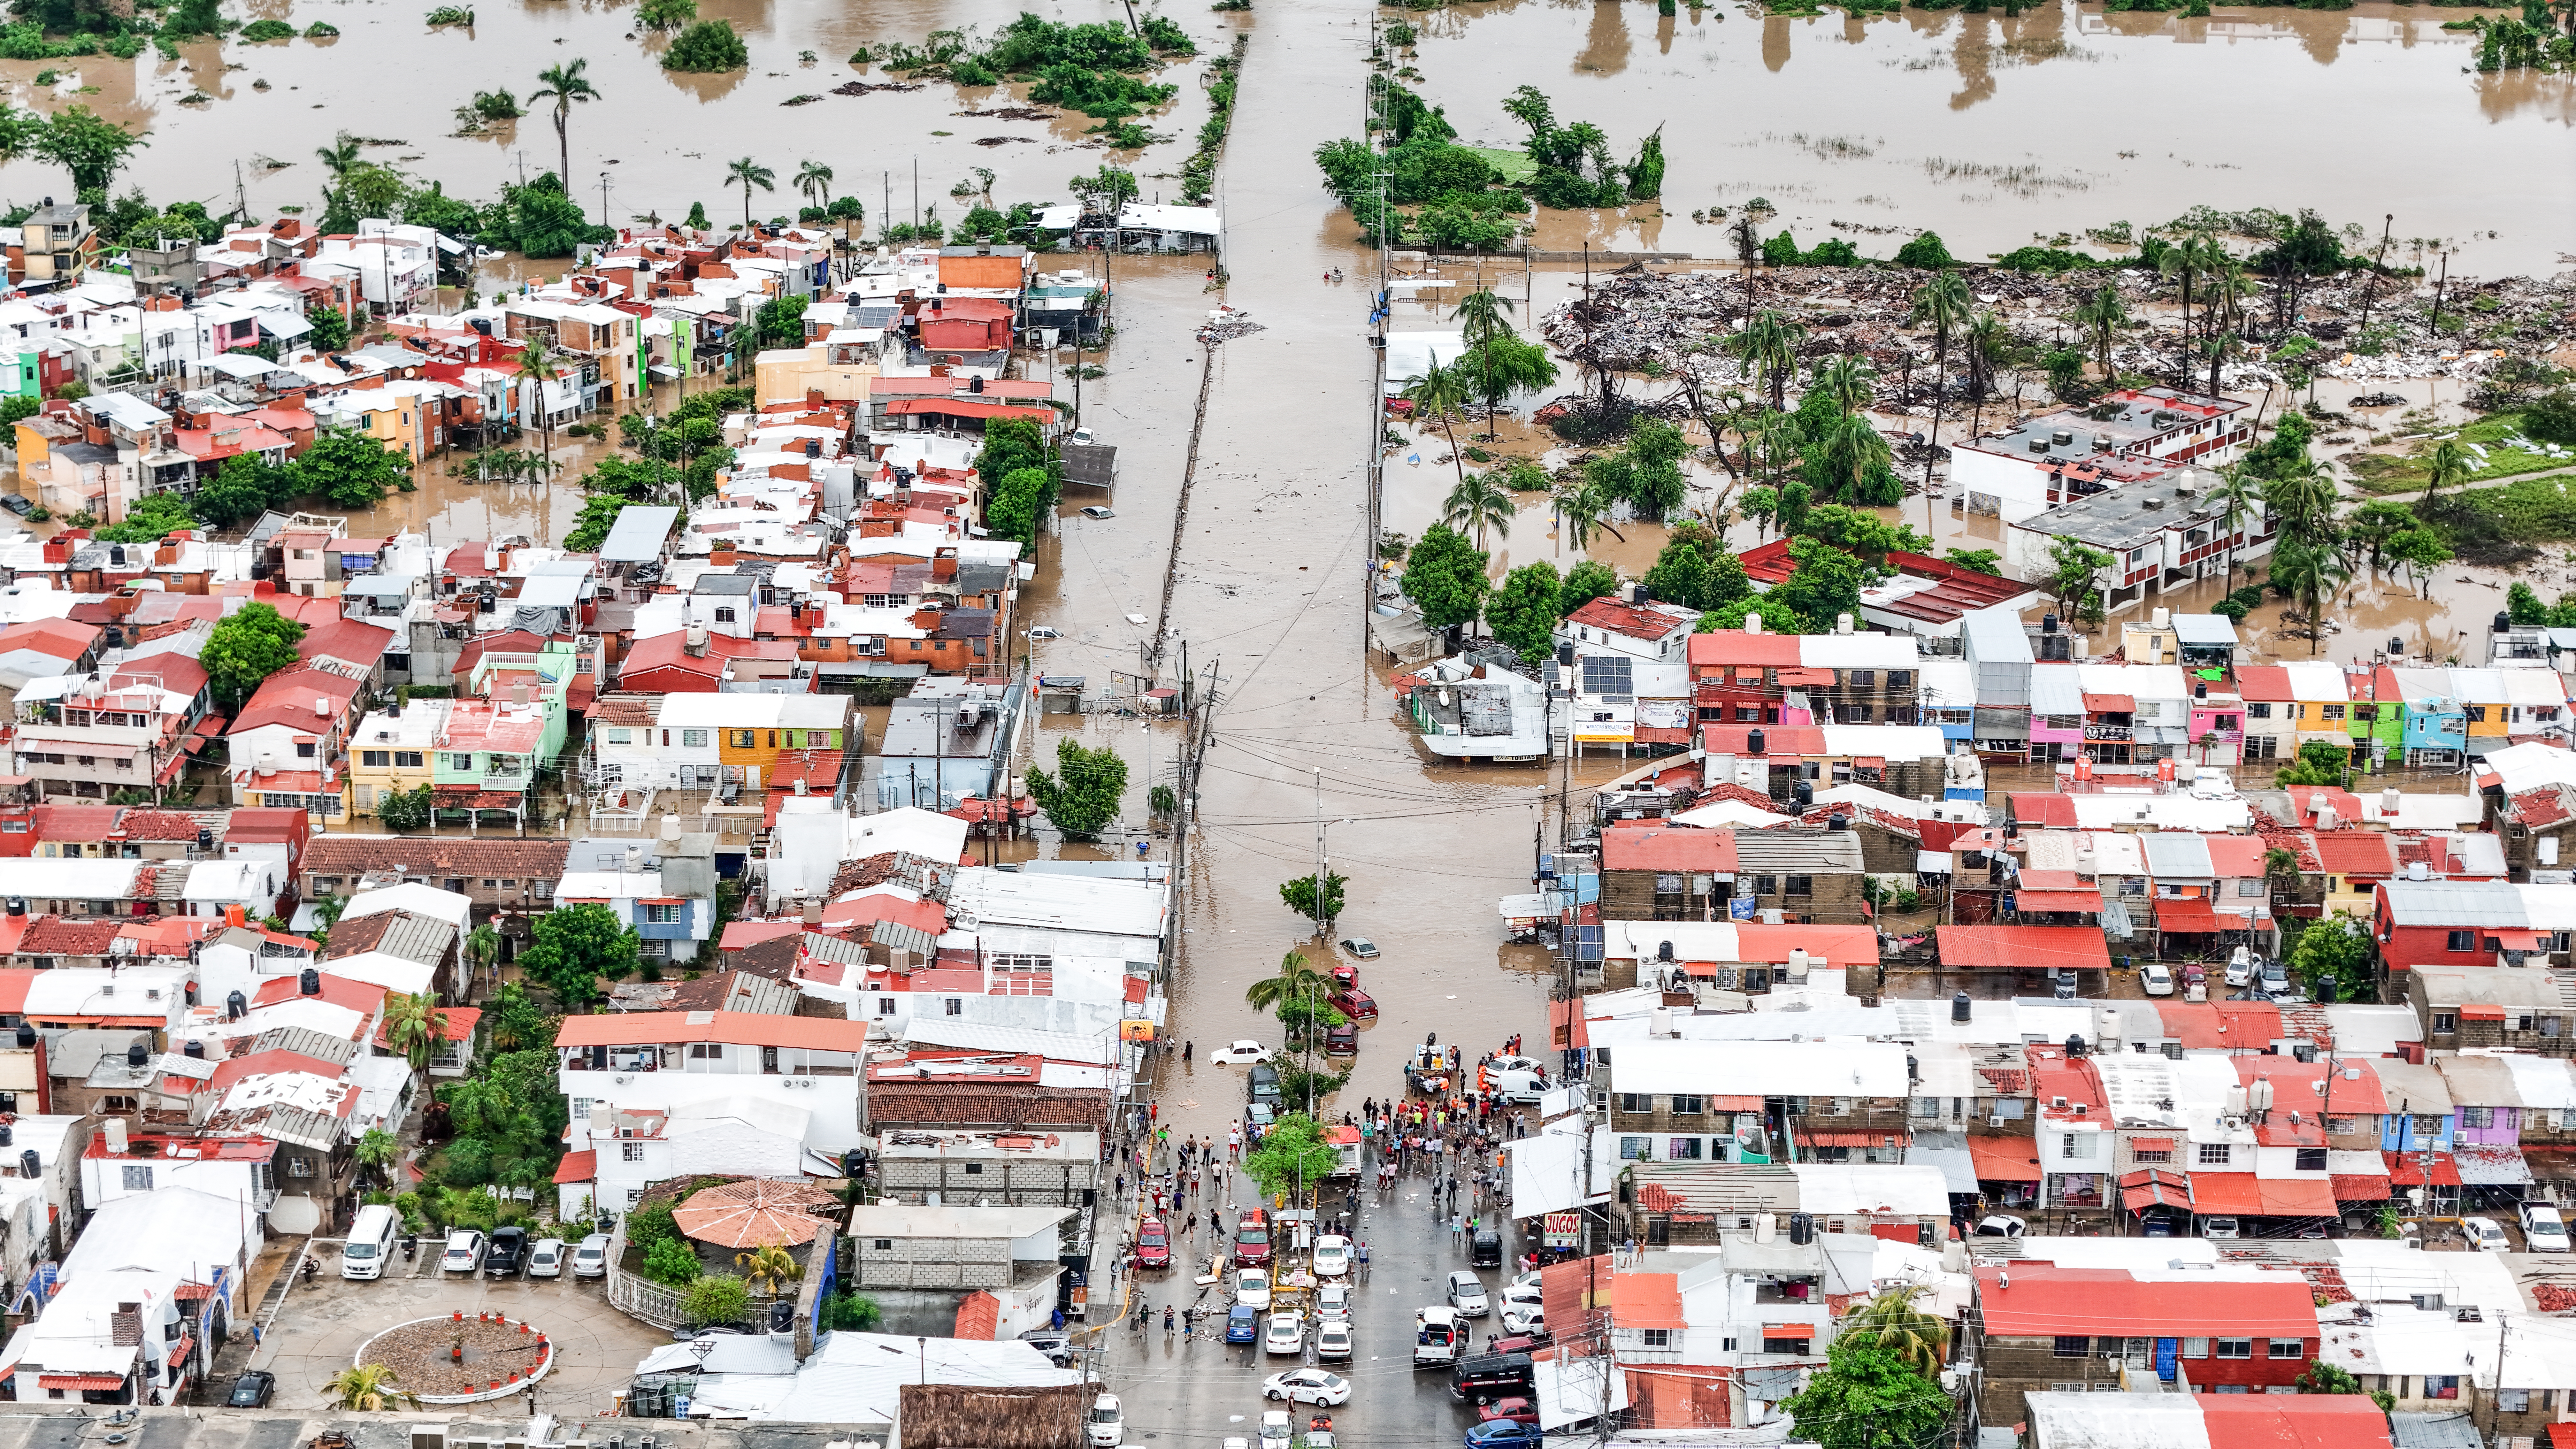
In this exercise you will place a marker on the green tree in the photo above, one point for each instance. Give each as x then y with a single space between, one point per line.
1925 251
1768 347
575 948
1975 560
2318 763
351 469
566 85
1587 581
708 47
1485 313
330 328
1523 613
1082 796
2321 1377
1292 1157
2523 606
1945 303
1478 502
714 1299
2073 571
1582 509
2332 956
404 811
1445 578
1866 1396
1890 1320
247 647
769 1268
1823 585
88 146
369 1388
1439 393
152 518
414 1027
2449 465
1502 364
2101 315
2421 551
1299 896
2310 573
1017 506
591 526
2284 451
672 1262
376 1151
665 14
748 173
813 181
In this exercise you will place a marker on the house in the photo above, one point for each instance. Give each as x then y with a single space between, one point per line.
1921 595
1630 672
2162 530
55 245
1756 1101
1751 677
287 746
2130 435
44 649
703 741
1018 1169
508 877
139 1303
2488 1007
1910 760
672 925
2035 1330
1011 1253
2070 1420
120 728
2420 924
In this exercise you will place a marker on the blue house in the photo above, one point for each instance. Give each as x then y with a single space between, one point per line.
2437 719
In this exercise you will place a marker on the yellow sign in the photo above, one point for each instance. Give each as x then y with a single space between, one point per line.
1135 1030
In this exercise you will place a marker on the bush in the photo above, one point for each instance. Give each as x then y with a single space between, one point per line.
259 30
671 1261
851 1313
707 47
716 1298
2551 417
320 30
1925 251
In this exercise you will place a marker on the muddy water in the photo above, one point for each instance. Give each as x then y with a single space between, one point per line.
1996 132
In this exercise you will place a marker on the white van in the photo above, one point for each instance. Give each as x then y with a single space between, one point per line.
371 1242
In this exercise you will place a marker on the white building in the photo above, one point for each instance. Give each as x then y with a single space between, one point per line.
170 1263
2162 532
2059 457
1630 675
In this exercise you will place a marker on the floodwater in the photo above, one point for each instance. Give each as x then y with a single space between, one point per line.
1999 132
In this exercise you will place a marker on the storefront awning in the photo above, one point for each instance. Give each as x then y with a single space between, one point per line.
2151 1144
2244 1194
2005 1159
2413 1169
101 1382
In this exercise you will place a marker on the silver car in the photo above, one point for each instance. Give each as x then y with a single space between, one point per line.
590 1259
465 1248
546 1258
1467 1295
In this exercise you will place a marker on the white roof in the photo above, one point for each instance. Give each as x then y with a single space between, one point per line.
2316 680
1200 219
1916 1189
421 900
2534 687
2162 812
105 991
377 968
1570 1390
1662 1067
608 885
66 879
925 833
986 899
2542 1081
1729 812
2116 1421
1411 354
2531 765
228 880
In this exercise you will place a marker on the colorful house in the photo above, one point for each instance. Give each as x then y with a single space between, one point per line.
2436 724
2488 703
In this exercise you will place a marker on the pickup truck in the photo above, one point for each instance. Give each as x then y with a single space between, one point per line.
1436 1336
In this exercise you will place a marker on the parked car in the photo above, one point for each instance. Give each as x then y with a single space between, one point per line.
1503 1434
1057 1346
1283 1333
1107 1424
1360 946
1530 1342
1238 1053
2485 1235
1307 1386
546 1258
1252 1239
2001 1225
2543 1230
1342 1040
2274 981
1467 1295
1332 1256
1252 1287
1520 1291
590 1260
1043 632
1519 1411
1257 1119
2240 967
1333 1341
1263 1082
252 1390
2156 979
1354 1003
1153 1244
1333 1300
465 1249
1096 511
17 504
1242 1324
2063 984
2218 1227
509 1249
1523 1318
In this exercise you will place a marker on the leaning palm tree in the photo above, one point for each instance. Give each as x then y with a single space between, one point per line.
1890 1321
747 174
1484 311
2303 499
1945 303
564 85
1582 509
1846 379
1295 981
771 1264
414 1027
2447 466
815 178
1442 391
1478 502
368 1388
537 367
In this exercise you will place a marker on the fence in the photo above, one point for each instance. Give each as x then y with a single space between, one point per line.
635 1296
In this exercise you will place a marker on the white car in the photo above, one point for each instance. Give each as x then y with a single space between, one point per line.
2156 979
1252 1287
1333 1341
1275 1432
2543 1230
1107 1425
1043 632
1467 1295
2484 1235
590 1260
1283 1333
1529 1280
1307 1386
1519 1291
1240 1053
1519 1318
546 1258
1333 1300
2240 967
1332 1256
464 1252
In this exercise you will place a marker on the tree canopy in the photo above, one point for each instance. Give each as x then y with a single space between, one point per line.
1524 612
247 647
1082 796
1292 1155
1445 578
578 946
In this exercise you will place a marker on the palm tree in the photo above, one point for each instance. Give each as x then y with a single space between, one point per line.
564 84
2194 257
483 947
378 1149
2304 500
2312 572
368 1388
813 178
1944 302
769 1263
1987 338
414 1028
1441 391
1584 508
1478 502
1295 982
748 174
339 156
2235 500
326 912
1890 1320
1484 311
2448 465
537 368
2218 347
1846 379
1769 342
2102 314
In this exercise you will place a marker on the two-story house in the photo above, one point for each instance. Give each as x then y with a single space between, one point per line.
139 1302
120 730
1630 672
287 746
672 926
2039 1327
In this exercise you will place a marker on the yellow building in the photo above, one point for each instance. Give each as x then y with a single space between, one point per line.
390 753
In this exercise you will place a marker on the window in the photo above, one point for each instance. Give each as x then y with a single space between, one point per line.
2441 1386
376 759
885 1006
2151 1154
114 1105
742 739
2074 1345
2477 1116
2428 1124
1658 1338
1636 1102
1900 679
463 762
955 1006
1686 1106
1784 1345
1682 1149
2213 1154
138 1177
662 915
2445 1022
2075 1146
724 613
2514 1401
1864 678
2195 1348
2235 1348
304 749
1766 885
2249 887
2258 711
706 1051
2462 941
1636 1149
407 759
885 1245
2312 1159
299 1167
618 736
693 739
2285 1348
2331 711
631 1151
2477 714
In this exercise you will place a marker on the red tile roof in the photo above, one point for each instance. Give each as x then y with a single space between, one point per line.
2264 682
337 990
54 936
1634 621
2045 1301
2026 948
2033 808
577 1167
60 638
2292 1421
271 1064
1654 845
2354 852
287 697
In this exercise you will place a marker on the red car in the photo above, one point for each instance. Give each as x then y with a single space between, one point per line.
1153 1244
1519 1411
1354 1003
1252 1240
1521 1343
1345 974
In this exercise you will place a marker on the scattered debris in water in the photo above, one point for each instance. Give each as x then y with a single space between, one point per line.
1012 113
1002 140
803 100
860 88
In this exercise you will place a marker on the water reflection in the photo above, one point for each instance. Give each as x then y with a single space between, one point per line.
1605 44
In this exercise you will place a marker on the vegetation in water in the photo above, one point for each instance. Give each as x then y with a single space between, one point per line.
260 30
708 47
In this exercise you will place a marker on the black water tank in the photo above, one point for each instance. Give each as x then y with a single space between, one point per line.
1663 950
235 1007
782 1317
4 1134
975 384
1565 656
195 1050
26 1035
1803 792
2048 623
17 905
1963 1007
1755 742
1837 823
2396 645
137 1054
2074 1044
1802 1228
2200 689
30 1165
310 982
2503 621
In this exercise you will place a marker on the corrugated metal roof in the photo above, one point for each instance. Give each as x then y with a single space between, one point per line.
2455 903
2055 690
2177 854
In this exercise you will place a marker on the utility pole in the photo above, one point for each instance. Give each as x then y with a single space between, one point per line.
2370 289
